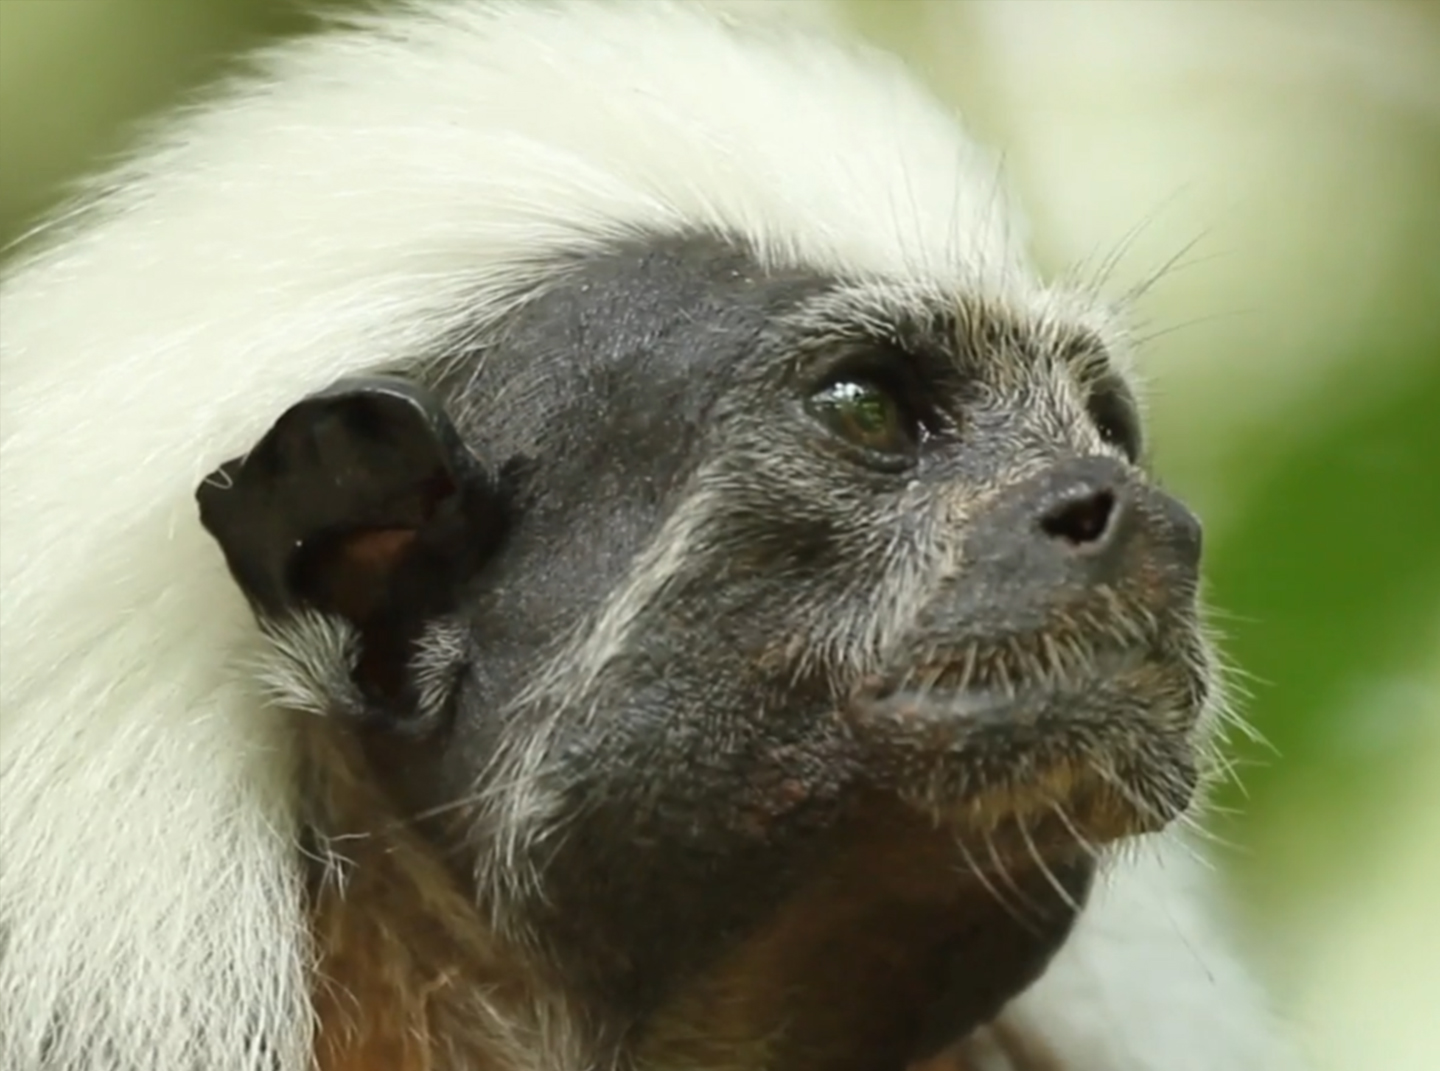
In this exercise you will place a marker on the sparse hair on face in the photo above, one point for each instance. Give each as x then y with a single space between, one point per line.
568 535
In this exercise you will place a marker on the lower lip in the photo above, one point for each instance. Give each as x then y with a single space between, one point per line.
984 755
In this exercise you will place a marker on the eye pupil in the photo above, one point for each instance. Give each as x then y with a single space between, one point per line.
867 409
866 415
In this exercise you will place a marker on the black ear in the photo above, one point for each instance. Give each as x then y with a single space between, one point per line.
361 501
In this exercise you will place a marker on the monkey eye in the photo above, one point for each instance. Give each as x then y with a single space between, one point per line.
866 414
1113 412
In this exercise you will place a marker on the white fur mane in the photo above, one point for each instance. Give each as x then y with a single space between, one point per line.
366 194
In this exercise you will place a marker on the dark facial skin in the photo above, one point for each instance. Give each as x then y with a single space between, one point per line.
788 626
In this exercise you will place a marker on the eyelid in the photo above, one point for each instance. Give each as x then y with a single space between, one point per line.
873 363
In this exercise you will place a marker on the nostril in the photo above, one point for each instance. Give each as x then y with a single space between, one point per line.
1081 520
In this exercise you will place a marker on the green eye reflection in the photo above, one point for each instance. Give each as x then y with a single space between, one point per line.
867 415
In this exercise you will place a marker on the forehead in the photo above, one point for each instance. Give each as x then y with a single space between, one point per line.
649 332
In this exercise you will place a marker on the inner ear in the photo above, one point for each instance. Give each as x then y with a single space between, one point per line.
361 501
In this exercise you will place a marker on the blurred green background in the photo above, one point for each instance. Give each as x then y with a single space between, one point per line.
1289 152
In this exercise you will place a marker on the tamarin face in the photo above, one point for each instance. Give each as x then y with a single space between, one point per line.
773 655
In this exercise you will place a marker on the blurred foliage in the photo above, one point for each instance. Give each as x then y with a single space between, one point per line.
1330 583
1326 557
76 75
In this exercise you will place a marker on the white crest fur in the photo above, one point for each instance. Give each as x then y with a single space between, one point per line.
349 206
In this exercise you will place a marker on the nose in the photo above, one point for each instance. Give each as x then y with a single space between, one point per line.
1084 521
1078 523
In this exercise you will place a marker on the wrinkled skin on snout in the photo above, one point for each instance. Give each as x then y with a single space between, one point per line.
774 656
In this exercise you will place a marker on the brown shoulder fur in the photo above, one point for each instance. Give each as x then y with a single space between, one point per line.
407 975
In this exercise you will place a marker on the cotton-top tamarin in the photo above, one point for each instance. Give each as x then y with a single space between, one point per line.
568 537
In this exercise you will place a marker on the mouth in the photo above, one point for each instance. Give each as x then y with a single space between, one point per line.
1034 757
